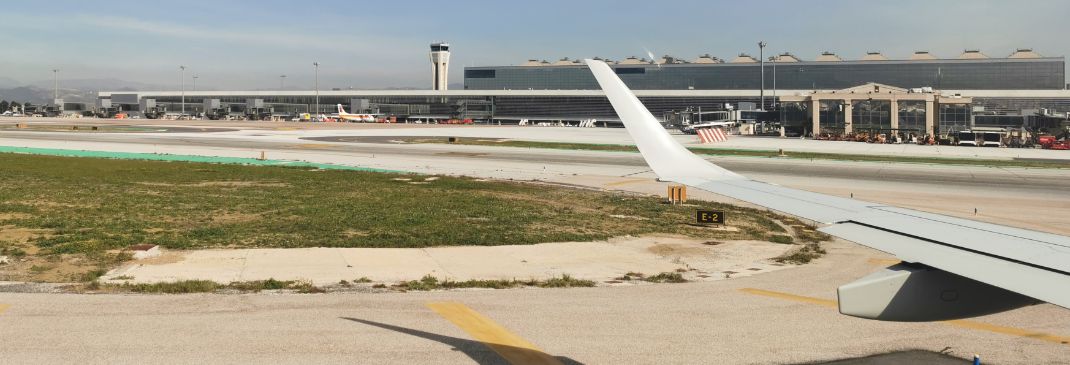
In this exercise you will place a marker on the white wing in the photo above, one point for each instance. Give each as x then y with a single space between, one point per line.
953 268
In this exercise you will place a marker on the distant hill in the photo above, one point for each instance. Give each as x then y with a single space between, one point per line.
37 95
104 84
9 82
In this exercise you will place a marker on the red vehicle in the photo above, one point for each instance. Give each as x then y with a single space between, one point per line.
1046 142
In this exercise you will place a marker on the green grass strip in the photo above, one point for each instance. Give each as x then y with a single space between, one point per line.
183 158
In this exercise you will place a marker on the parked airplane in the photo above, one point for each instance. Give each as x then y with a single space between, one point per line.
354 117
951 267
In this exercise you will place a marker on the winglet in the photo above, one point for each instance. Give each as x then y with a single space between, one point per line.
668 159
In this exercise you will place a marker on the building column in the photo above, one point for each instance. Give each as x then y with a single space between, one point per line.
815 117
848 117
894 105
929 113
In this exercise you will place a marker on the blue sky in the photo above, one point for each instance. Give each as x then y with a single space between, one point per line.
376 44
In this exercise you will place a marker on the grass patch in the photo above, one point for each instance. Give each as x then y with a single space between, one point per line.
782 239
429 282
206 286
666 277
755 153
177 287
803 255
83 210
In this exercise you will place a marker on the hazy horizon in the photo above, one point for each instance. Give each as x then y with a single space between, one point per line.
382 45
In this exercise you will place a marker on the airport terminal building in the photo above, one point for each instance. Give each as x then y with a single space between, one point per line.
1020 90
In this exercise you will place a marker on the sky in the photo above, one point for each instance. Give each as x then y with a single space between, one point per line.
247 45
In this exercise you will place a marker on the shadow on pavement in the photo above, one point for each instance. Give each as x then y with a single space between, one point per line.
476 350
901 357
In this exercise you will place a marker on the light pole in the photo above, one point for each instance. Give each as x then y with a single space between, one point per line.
761 58
317 64
282 82
773 59
55 80
195 77
182 81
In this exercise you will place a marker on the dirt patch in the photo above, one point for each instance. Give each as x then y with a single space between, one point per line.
350 233
241 184
231 217
167 257
673 249
21 235
52 204
51 269
9 216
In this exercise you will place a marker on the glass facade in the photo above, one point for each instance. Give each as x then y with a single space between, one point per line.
796 118
871 115
832 117
982 74
912 116
953 118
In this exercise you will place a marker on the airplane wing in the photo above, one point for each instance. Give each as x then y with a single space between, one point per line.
952 267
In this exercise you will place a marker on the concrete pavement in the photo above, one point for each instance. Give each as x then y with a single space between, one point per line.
702 322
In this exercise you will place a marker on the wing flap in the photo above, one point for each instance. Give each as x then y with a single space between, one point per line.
1039 283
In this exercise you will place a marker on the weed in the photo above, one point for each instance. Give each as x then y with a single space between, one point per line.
803 255
429 282
782 239
259 285
666 277
93 275
177 287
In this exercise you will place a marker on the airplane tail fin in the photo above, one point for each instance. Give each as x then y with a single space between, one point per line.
668 159
340 110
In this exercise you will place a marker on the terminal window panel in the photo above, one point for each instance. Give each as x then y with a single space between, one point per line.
953 118
832 116
912 116
871 115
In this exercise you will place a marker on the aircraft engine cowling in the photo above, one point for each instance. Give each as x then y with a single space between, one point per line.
918 293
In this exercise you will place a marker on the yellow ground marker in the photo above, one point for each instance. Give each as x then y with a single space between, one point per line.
4 307
511 347
313 145
791 297
883 262
962 323
626 182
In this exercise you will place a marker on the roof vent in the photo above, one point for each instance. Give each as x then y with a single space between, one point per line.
787 57
828 57
1024 53
706 58
972 54
874 56
744 58
922 55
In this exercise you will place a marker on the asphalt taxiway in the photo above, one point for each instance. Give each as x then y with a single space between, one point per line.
785 316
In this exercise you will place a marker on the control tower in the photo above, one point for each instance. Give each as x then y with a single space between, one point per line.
440 65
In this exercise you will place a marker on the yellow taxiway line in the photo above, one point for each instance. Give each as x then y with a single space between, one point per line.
962 323
4 307
511 347
626 182
883 262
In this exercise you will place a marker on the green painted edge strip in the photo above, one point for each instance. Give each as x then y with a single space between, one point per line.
185 158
